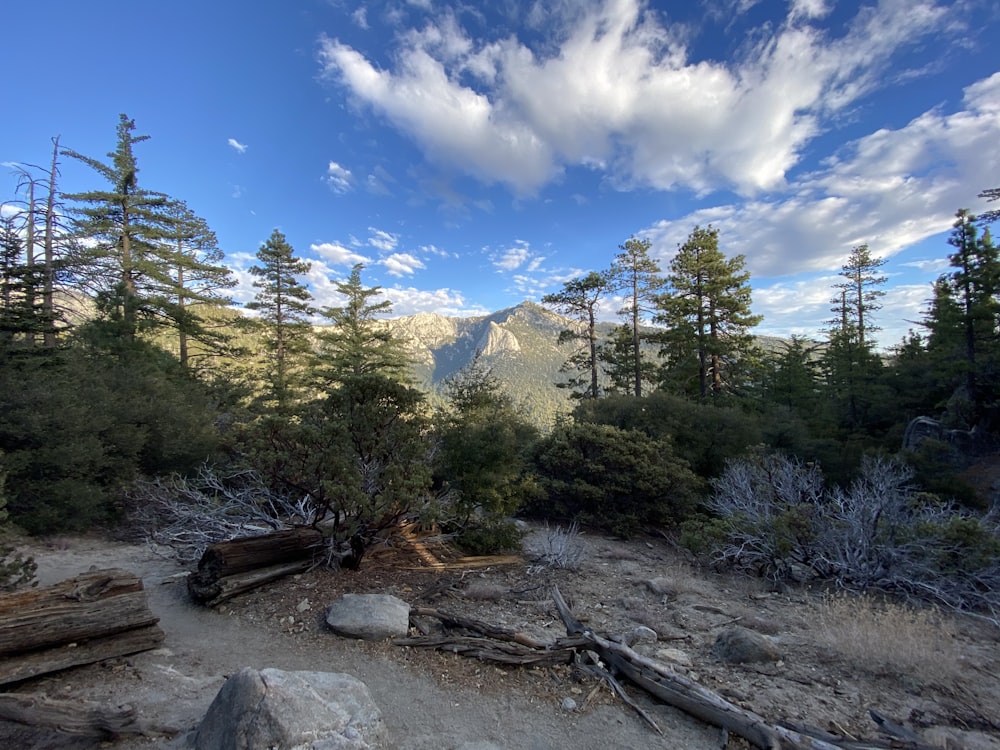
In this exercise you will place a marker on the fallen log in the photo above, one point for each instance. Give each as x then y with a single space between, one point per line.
91 605
77 717
239 565
95 616
213 591
19 667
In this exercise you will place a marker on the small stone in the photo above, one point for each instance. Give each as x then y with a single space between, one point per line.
738 645
568 704
674 655
640 634
303 606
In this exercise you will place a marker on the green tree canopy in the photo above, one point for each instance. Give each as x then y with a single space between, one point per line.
706 313
283 303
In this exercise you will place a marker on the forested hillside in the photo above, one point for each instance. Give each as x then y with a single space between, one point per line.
783 458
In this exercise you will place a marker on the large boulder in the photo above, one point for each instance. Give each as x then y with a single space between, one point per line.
272 709
371 617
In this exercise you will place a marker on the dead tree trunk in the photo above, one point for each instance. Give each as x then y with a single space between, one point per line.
95 616
230 568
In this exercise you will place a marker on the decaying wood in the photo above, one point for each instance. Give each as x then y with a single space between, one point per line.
91 605
85 718
95 616
616 660
20 667
238 565
211 592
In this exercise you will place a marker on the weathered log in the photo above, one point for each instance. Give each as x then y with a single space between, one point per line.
92 617
211 591
681 692
230 568
19 667
85 718
92 605
263 551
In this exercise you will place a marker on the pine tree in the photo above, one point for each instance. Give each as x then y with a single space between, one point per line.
127 263
579 299
199 276
976 287
859 295
283 303
638 276
706 313
357 343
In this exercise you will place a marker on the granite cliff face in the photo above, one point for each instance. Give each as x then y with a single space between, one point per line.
518 344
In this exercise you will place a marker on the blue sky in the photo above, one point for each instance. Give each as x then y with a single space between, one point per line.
477 155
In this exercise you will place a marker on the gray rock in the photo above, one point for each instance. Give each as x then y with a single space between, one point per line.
292 711
568 704
640 634
371 617
737 645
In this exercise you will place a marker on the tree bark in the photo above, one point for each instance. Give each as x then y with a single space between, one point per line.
230 568
92 617
84 718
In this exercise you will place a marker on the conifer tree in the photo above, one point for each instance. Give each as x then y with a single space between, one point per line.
638 276
199 275
283 303
356 342
975 285
126 262
579 299
706 313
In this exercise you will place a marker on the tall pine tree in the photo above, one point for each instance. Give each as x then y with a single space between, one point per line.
283 303
579 299
638 276
706 313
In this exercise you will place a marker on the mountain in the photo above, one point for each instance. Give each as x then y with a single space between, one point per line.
519 346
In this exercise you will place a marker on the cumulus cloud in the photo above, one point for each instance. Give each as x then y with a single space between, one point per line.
409 301
338 178
513 257
382 240
402 264
337 254
622 93
240 148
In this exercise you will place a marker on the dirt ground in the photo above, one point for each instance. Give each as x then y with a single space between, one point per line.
437 700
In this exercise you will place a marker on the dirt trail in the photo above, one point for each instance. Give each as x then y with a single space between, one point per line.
173 685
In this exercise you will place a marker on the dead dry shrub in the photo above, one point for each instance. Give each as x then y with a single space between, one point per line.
885 637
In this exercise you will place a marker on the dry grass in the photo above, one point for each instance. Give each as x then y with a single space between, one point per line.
888 638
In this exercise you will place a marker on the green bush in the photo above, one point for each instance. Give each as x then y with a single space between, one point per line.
489 539
619 480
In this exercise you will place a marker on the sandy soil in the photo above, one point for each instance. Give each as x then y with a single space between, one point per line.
435 700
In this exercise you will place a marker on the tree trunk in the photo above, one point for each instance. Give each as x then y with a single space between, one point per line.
230 568
92 617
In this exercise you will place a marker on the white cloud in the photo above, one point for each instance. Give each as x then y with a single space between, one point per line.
338 178
621 93
409 301
240 148
402 264
891 189
337 254
382 240
513 257
360 17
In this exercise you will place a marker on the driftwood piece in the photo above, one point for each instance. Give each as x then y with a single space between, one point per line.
85 718
92 617
230 568
500 652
